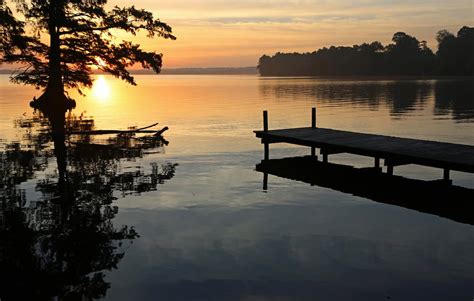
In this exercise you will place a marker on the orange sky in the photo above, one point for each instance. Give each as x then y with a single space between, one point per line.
238 32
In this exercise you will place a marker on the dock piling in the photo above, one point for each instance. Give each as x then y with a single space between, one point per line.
266 146
390 170
377 162
265 181
325 157
446 174
313 152
265 121
313 125
313 118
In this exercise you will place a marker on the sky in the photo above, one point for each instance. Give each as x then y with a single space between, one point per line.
237 32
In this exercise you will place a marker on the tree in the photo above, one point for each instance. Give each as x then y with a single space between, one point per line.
465 39
455 53
81 35
446 52
408 56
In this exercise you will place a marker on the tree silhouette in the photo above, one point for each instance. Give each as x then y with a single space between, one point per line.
81 35
406 55
456 53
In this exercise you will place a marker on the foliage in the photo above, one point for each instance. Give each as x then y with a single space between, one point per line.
456 53
81 35
406 55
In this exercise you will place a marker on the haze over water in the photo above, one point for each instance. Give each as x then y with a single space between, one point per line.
211 232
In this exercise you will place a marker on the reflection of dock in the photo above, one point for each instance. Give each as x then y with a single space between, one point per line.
395 151
434 197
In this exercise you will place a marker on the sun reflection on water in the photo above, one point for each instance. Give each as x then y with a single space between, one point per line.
101 89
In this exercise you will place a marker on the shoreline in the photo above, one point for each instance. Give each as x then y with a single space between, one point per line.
320 77
371 77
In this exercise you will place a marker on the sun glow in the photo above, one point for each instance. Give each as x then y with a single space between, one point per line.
101 89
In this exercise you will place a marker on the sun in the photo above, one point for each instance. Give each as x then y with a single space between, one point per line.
101 88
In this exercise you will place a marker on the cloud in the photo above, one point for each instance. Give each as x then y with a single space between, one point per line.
240 31
284 20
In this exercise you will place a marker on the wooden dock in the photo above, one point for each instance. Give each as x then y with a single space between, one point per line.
394 151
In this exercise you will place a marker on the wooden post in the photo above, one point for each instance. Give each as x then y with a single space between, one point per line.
265 121
390 170
446 174
325 158
377 162
266 147
265 181
313 125
266 151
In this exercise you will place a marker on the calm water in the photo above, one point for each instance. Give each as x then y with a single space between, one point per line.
206 228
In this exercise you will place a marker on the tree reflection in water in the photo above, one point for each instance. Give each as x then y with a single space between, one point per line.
452 97
58 240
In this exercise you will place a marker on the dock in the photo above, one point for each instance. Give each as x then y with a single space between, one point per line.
394 151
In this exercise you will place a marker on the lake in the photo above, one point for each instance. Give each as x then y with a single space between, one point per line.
203 228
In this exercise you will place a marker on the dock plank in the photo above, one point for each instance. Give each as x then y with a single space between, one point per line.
429 153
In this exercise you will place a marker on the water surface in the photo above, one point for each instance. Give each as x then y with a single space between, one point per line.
208 231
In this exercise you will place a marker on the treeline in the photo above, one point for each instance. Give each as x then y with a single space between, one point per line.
405 56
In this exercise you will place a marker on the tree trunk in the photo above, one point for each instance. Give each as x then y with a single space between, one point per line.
53 98
55 82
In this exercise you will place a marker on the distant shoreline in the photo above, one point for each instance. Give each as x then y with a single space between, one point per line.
212 71
254 71
373 77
